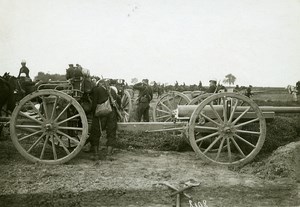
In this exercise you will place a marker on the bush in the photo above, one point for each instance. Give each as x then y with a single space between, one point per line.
164 141
280 131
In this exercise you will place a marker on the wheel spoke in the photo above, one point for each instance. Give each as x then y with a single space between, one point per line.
62 144
237 146
242 139
163 111
53 148
166 107
233 111
180 100
68 119
248 132
69 137
167 119
168 100
54 108
44 147
248 122
29 117
229 150
199 145
162 117
45 107
70 128
215 113
220 149
206 137
29 126
174 103
36 110
241 115
224 109
35 143
63 111
209 119
29 135
212 144
206 127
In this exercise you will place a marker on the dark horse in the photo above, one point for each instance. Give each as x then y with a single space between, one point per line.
8 85
157 88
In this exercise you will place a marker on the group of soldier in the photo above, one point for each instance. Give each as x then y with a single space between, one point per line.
100 93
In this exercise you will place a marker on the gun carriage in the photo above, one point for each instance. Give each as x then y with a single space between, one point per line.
51 126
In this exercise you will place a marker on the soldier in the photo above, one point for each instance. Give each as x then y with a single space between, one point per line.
248 92
108 123
24 70
212 86
78 72
145 96
298 87
70 72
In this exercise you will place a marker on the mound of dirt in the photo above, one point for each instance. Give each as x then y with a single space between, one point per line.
282 163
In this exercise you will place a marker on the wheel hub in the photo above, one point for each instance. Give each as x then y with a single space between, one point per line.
50 128
227 130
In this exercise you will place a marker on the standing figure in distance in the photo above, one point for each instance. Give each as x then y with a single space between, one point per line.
248 92
70 72
212 86
145 96
24 69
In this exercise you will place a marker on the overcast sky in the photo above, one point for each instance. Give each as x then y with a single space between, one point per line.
258 41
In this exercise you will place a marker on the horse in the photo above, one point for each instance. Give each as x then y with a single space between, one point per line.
291 89
157 88
8 85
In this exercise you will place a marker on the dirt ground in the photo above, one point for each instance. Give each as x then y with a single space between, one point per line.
135 177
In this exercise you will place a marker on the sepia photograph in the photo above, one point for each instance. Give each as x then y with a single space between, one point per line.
153 103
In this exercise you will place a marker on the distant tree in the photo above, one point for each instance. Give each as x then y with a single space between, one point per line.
134 80
46 77
200 85
229 79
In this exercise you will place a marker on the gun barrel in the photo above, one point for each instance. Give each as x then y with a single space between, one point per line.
187 110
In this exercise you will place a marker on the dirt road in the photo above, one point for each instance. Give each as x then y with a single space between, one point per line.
133 179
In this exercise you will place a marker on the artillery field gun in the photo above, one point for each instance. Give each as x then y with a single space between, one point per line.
50 126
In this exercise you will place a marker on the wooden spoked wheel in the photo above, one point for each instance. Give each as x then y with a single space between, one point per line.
126 105
48 126
164 109
242 129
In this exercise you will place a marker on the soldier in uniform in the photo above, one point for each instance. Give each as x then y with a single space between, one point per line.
145 96
248 92
70 72
298 87
108 123
27 86
24 70
212 86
